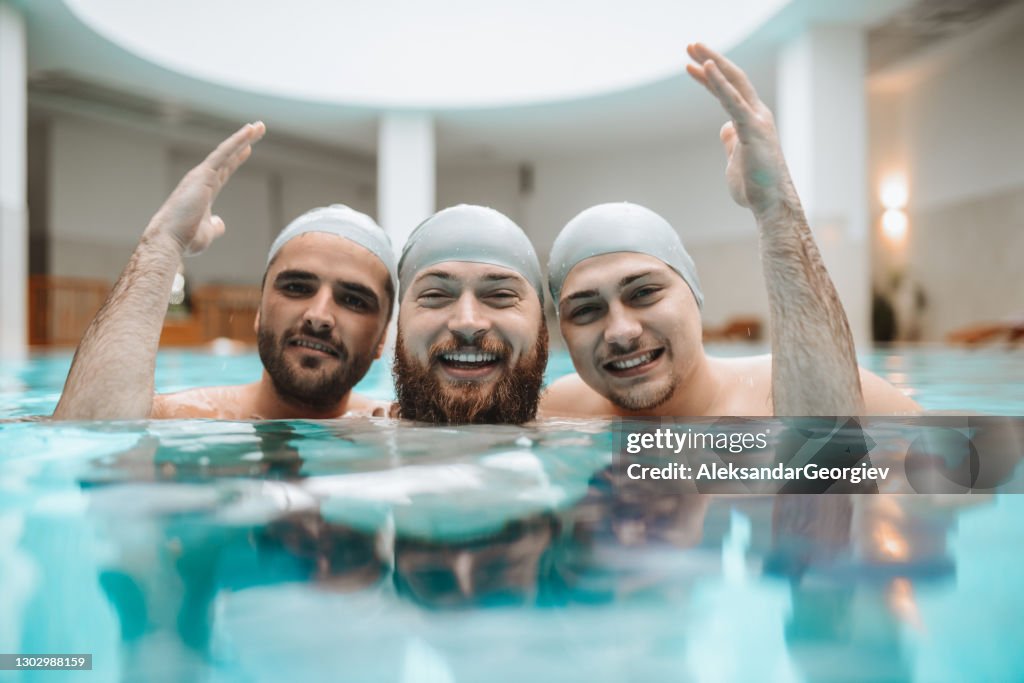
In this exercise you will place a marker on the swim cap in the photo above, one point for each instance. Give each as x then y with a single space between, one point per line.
470 233
611 228
338 219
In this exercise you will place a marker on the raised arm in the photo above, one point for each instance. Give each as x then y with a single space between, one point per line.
814 367
111 376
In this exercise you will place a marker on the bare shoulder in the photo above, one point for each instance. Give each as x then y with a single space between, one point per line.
745 386
364 406
570 396
748 381
882 398
225 403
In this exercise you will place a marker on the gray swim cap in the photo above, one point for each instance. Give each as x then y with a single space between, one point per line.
470 233
611 228
338 219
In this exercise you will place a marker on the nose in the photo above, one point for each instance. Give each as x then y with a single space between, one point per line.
469 321
318 318
622 328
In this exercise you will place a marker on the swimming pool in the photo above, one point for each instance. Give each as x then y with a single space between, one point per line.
369 550
939 378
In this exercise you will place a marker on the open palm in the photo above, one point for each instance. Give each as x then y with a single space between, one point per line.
187 214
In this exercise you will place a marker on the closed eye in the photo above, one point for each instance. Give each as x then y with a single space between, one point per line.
503 298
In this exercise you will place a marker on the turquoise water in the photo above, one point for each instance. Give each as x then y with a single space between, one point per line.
369 550
948 379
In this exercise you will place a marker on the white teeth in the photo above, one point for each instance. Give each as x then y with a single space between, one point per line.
632 362
460 357
314 345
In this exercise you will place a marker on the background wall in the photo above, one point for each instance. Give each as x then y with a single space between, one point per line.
105 180
952 127
948 122
682 179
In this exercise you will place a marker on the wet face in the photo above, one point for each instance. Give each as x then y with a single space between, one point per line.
322 318
632 327
472 346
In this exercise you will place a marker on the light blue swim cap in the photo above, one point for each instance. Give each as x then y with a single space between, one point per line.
340 220
470 233
612 228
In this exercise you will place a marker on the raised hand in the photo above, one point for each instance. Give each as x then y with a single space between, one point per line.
756 172
186 215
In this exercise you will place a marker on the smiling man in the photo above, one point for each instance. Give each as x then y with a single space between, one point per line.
629 300
327 296
472 341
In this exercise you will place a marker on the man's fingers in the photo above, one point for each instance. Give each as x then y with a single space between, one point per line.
246 135
735 75
728 136
232 164
697 73
730 98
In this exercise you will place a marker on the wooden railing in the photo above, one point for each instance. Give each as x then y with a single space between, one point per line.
226 311
61 308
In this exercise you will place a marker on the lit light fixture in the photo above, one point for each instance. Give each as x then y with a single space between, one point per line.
894 225
894 193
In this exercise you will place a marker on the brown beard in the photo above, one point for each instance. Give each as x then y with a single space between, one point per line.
512 400
317 394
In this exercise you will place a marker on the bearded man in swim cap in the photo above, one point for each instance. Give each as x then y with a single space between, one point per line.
326 299
629 300
472 340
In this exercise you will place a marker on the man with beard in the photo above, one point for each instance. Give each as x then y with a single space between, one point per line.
327 296
472 340
629 299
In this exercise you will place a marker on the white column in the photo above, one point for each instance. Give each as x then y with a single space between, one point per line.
822 121
13 172
406 175
406 180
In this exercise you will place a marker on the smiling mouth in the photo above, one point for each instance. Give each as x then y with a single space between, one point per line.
635 364
315 346
469 364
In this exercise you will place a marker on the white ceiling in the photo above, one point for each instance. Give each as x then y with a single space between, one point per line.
506 81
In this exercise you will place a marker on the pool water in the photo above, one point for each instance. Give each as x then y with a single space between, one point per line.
370 550
939 378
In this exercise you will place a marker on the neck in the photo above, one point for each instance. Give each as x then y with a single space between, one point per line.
270 405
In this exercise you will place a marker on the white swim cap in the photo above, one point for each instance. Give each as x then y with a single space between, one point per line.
470 233
612 228
340 220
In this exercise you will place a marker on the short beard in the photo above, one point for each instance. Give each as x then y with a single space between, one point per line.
319 394
512 400
642 400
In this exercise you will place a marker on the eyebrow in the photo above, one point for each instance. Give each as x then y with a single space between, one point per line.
295 275
582 294
355 287
588 293
632 278
489 277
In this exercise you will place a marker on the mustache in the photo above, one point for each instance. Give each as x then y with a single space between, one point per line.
324 338
485 344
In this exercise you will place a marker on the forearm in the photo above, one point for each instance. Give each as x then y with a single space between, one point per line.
111 376
814 368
